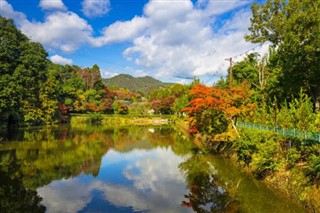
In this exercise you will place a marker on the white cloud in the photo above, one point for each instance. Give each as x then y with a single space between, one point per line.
60 30
220 7
179 39
6 10
57 59
95 8
52 5
171 38
109 74
140 73
121 31
184 81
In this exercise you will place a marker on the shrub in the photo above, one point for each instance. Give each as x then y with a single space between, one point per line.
313 169
95 117
265 160
245 147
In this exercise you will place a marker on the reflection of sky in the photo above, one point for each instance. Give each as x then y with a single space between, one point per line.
137 181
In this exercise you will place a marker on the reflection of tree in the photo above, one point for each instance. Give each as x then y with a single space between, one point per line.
14 197
206 193
182 144
62 152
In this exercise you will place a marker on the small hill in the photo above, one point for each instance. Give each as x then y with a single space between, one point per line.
140 84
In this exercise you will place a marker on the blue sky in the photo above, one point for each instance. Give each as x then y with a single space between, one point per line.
170 40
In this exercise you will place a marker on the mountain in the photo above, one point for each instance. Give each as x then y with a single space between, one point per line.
140 84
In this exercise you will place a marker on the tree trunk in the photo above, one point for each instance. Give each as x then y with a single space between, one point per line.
234 126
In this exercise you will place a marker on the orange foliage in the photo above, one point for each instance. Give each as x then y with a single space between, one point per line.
63 109
125 95
231 102
93 107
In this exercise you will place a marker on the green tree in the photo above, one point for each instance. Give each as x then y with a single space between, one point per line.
22 74
49 95
247 70
293 27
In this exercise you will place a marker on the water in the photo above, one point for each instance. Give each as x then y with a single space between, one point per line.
127 169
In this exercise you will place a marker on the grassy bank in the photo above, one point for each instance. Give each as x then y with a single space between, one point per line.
288 164
120 119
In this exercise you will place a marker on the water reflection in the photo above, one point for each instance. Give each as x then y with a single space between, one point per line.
14 197
139 180
125 169
206 192
83 169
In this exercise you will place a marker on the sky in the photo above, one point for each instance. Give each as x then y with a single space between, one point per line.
170 40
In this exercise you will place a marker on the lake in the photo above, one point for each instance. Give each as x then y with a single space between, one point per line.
123 169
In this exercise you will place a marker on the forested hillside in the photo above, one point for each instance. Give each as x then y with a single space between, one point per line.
143 85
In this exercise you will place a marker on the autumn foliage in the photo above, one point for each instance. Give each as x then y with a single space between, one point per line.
212 110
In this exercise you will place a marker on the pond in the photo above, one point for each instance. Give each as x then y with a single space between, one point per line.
123 169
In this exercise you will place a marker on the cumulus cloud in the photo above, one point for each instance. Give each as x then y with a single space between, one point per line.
180 38
109 74
60 30
57 59
121 31
6 10
184 81
140 73
221 7
95 8
170 38
52 5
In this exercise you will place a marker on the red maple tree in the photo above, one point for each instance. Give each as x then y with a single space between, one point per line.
228 103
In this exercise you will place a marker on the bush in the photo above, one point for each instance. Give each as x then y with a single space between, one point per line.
95 117
261 150
265 161
313 169
245 147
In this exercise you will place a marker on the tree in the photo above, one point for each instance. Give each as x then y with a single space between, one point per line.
120 107
10 41
23 72
247 70
293 27
211 109
167 100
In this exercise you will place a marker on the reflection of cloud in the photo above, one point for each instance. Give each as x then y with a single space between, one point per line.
114 157
151 130
155 184
161 165
123 196
65 195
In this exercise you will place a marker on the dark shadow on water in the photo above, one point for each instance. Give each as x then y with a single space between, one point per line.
14 197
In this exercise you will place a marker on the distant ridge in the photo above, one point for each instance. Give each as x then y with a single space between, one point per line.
140 84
